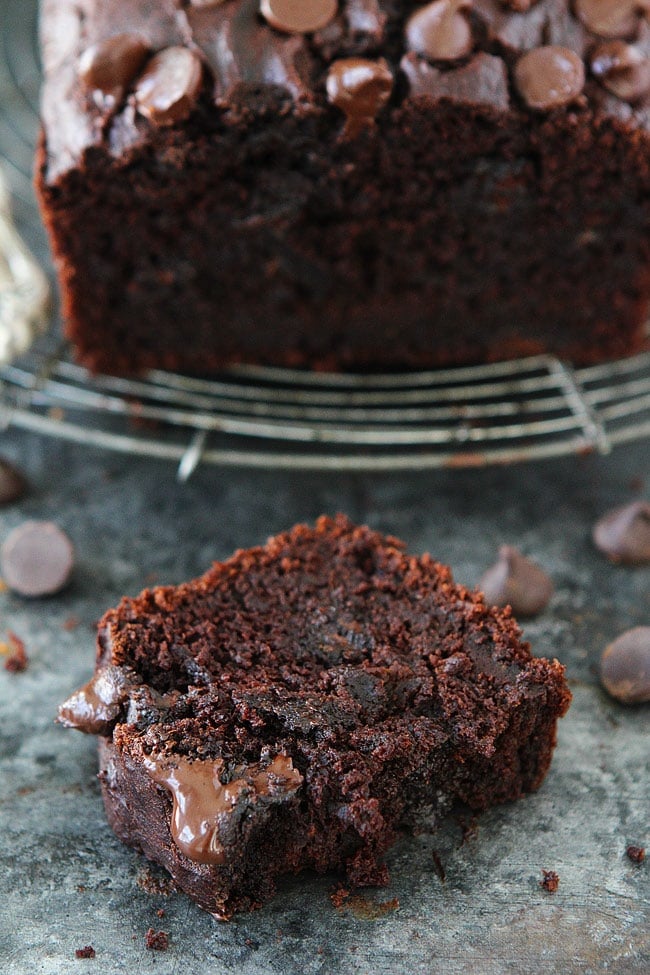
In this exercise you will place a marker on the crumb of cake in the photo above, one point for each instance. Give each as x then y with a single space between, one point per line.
550 881
86 952
155 884
636 854
156 940
71 623
339 896
439 868
160 912
17 661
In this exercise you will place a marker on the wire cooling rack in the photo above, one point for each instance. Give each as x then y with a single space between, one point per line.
259 417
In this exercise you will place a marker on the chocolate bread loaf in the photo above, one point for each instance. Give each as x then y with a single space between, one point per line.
353 185
301 704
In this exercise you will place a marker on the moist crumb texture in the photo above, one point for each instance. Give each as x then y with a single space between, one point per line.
303 703
390 184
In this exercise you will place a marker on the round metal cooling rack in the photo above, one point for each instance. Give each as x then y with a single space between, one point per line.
259 417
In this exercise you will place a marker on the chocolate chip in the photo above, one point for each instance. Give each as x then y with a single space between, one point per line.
169 88
13 485
482 81
610 18
37 559
548 77
298 16
623 69
111 65
360 88
518 582
206 3
623 534
441 30
625 666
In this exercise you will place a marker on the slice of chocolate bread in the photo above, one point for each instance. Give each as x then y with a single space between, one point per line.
302 703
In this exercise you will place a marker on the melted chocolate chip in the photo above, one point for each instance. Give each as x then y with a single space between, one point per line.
13 485
610 18
548 77
518 582
623 534
202 803
169 88
441 31
483 81
625 666
623 69
298 16
360 88
96 706
37 559
111 65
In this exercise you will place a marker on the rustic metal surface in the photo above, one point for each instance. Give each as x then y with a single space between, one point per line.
67 882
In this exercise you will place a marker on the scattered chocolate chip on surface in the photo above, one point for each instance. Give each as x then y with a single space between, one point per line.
625 666
156 940
298 16
37 559
168 89
635 853
86 952
623 534
549 77
13 485
360 88
550 881
516 581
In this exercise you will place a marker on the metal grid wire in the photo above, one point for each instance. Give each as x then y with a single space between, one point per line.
260 417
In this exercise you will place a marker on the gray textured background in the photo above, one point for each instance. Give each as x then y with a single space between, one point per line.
67 882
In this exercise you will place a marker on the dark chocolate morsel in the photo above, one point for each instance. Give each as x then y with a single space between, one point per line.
610 18
168 89
13 485
203 4
441 31
360 88
111 65
623 69
550 76
625 666
518 582
623 534
298 16
37 559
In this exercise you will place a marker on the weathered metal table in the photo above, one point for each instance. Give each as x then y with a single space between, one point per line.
67 882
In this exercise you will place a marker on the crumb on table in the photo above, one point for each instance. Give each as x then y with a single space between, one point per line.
550 881
17 660
156 940
636 854
86 952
